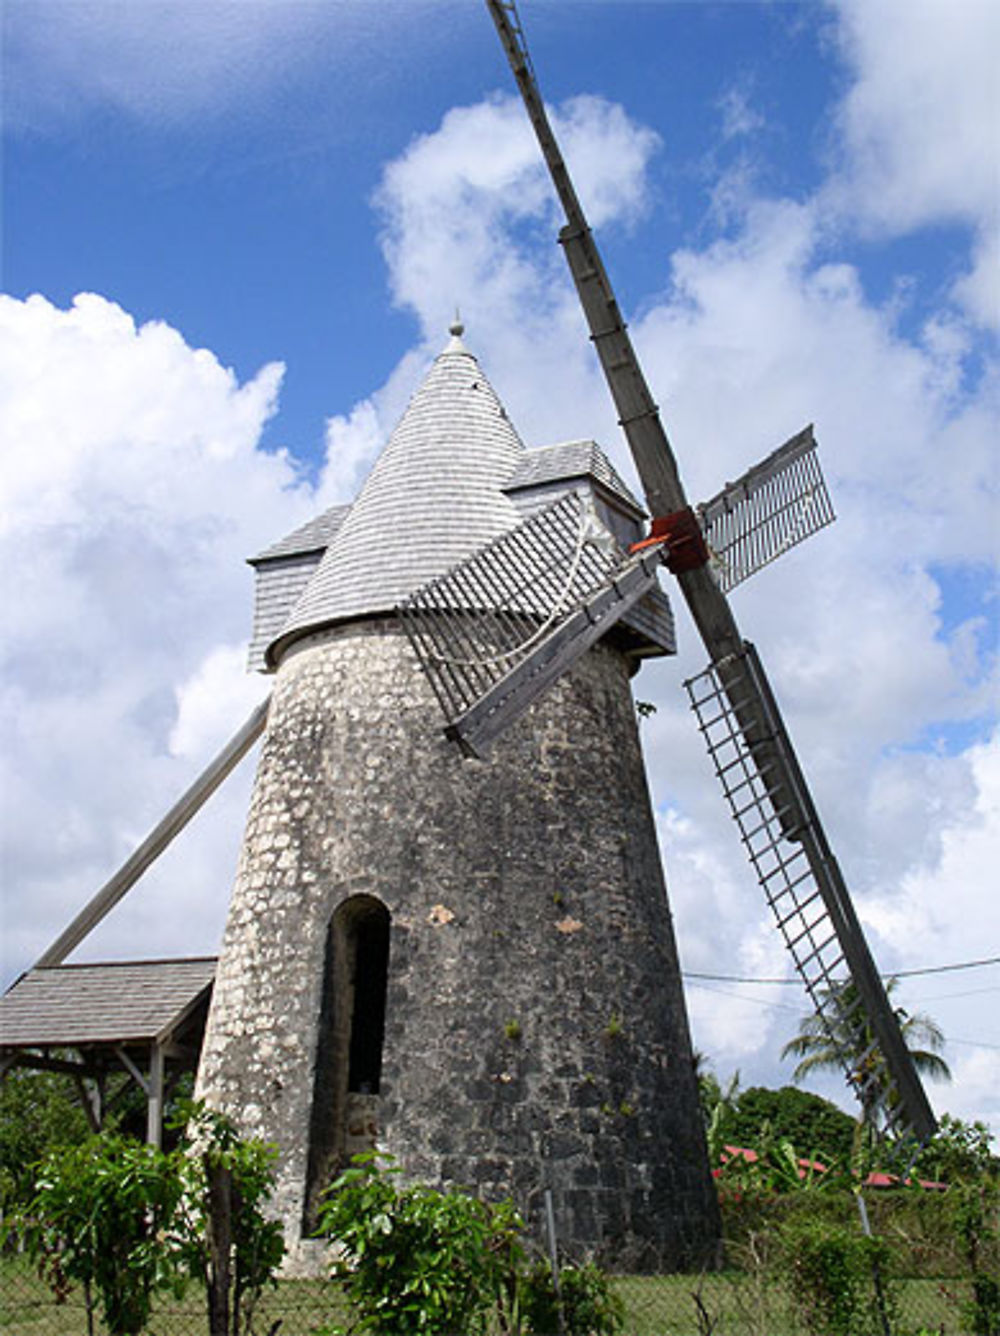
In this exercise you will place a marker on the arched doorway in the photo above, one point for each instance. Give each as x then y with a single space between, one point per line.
350 1034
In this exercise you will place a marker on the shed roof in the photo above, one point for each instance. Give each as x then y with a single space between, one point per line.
123 1001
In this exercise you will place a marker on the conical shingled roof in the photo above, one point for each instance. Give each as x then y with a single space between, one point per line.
434 497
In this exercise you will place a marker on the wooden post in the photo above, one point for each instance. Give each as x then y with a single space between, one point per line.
91 1097
218 1237
154 1096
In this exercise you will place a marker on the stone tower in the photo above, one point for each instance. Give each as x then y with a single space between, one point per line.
468 963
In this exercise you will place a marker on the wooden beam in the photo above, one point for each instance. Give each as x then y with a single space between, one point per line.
154 844
133 1070
498 707
41 1062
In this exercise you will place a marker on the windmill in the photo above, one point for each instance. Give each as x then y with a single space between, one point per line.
497 630
471 963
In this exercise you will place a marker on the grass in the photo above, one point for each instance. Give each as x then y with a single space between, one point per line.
733 1304
28 1308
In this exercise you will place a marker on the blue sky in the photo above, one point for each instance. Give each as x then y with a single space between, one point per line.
276 208
192 216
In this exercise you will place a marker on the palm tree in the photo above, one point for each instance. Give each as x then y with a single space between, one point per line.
826 1043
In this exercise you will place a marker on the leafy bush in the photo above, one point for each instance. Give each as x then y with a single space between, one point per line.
39 1112
977 1221
958 1152
415 1259
838 1278
418 1260
126 1220
817 1128
99 1214
589 1306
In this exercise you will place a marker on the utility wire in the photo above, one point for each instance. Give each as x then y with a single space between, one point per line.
892 974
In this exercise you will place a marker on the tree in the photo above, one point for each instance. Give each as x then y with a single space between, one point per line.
225 1239
99 1216
958 1152
39 1112
823 1044
815 1127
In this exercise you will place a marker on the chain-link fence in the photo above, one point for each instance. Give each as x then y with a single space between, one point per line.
747 1302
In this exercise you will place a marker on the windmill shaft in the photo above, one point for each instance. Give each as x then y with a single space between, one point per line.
638 413
754 717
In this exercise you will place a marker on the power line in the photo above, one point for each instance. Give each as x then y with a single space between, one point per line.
756 1001
966 992
892 974
783 1006
944 969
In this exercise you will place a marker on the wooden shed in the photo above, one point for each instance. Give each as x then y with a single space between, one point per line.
144 1017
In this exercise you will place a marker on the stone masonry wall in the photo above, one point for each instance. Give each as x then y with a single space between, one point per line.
535 1031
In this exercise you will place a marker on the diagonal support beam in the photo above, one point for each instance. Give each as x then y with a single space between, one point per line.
497 709
190 802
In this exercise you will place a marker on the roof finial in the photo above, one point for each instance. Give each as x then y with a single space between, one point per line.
456 329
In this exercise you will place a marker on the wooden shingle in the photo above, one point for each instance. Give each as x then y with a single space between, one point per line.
115 1002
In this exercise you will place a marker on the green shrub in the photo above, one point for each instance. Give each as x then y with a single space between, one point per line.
976 1210
38 1113
415 1259
590 1307
817 1128
98 1216
126 1220
958 1152
223 1236
838 1278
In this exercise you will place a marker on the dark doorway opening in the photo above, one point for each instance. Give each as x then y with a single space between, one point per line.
349 1042
368 935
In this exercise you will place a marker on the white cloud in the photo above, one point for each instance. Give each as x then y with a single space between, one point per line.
463 210
739 116
959 854
919 121
978 290
200 725
974 1094
461 207
132 489
919 126
352 442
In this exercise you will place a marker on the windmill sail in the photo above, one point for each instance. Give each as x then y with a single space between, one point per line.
804 887
778 795
496 630
775 505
